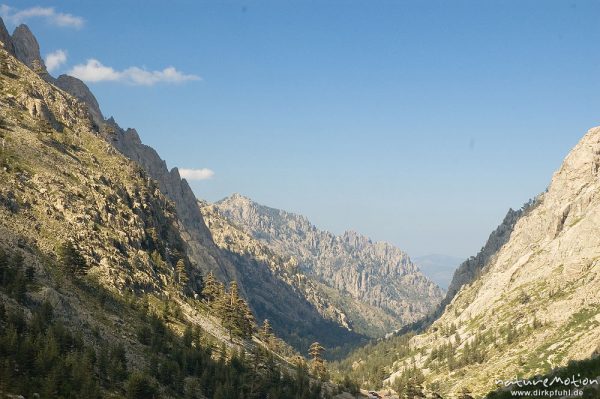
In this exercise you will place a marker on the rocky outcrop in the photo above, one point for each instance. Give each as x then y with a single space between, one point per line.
78 89
68 184
197 236
470 269
297 307
27 49
6 39
378 275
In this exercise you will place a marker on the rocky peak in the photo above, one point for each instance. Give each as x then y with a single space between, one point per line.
238 197
374 274
355 239
27 49
202 248
5 38
79 90
579 172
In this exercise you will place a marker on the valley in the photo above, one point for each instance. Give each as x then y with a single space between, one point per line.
116 280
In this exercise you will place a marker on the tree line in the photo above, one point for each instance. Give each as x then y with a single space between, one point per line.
42 355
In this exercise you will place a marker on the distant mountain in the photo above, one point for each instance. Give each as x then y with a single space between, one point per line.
362 278
438 267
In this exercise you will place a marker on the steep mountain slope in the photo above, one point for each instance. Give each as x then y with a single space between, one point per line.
98 296
202 250
302 325
534 304
268 275
62 182
367 281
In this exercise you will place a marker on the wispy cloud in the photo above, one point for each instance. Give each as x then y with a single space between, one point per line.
55 60
16 16
94 71
196 174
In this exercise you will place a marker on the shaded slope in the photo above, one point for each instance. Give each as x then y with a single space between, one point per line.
376 278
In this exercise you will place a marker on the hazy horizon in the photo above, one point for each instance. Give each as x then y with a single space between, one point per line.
416 123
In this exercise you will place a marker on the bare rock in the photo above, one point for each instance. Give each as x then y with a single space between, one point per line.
6 39
27 49
79 90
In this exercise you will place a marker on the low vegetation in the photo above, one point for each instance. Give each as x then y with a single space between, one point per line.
43 355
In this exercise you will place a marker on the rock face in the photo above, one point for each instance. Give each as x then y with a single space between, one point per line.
78 89
377 275
6 39
69 184
472 268
27 49
298 308
533 304
202 248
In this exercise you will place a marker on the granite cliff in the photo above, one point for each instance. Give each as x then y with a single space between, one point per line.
363 278
525 305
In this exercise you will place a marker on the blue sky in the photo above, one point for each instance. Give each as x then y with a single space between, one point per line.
415 122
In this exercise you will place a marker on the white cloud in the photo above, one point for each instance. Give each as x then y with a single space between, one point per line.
55 59
196 174
53 17
94 71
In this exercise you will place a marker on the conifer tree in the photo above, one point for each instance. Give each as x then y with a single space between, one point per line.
318 367
246 319
212 289
182 276
266 332
228 308
71 259
257 371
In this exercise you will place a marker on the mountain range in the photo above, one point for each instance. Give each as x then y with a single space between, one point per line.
116 280
321 311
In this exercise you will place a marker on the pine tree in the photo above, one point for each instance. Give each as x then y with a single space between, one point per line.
246 319
318 367
257 378
139 386
413 391
229 310
212 289
266 332
71 259
182 276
